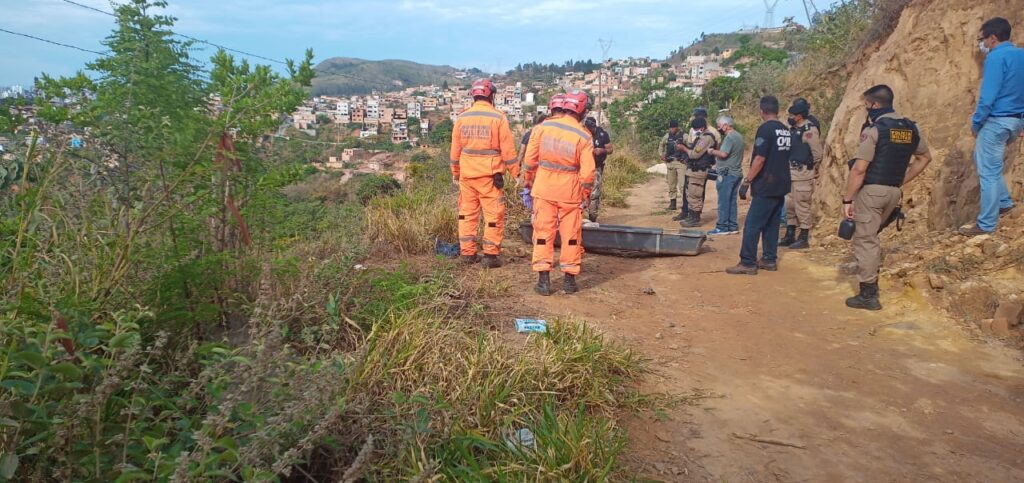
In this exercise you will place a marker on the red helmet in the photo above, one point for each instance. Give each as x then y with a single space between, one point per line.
576 101
483 88
557 102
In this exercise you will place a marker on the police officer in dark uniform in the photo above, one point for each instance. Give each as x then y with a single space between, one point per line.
881 166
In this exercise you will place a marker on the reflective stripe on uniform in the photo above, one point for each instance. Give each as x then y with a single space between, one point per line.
588 186
531 168
455 161
511 161
489 243
559 167
569 128
480 114
467 238
481 152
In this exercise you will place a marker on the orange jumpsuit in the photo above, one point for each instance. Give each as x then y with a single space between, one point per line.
559 165
482 146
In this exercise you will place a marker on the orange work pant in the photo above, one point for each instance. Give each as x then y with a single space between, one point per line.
478 194
567 219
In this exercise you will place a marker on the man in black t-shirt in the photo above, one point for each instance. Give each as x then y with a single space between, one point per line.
602 148
526 137
769 182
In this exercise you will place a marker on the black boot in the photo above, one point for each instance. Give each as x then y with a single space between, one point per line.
470 259
490 261
543 283
867 298
569 284
681 215
803 241
790 237
691 221
672 204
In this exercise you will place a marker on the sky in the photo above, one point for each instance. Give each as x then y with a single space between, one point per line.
493 36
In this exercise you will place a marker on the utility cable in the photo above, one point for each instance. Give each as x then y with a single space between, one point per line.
33 37
189 37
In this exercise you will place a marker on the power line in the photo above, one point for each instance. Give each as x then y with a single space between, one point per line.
229 49
200 74
189 37
201 41
89 7
33 37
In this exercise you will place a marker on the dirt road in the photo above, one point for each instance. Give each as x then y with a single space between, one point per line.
899 395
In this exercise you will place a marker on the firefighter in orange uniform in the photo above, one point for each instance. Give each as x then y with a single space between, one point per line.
482 150
559 165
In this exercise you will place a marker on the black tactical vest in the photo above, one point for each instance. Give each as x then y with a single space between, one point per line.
670 149
707 160
897 141
800 155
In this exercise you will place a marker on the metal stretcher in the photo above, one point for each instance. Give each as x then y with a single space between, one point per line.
633 241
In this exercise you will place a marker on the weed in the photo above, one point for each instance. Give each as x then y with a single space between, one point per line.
622 171
407 223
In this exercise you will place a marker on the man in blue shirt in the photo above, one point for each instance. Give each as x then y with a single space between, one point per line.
997 121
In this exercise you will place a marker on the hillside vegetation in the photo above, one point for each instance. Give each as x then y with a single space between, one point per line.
347 76
184 302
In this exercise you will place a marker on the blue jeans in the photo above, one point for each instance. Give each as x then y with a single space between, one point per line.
762 222
989 149
728 188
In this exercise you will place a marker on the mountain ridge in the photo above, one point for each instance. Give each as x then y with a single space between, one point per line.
354 76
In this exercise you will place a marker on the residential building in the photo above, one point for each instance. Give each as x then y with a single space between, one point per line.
359 115
414 109
399 132
373 108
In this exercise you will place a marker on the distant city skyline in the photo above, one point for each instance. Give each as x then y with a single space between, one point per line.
494 37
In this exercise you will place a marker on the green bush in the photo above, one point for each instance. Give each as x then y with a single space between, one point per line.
375 185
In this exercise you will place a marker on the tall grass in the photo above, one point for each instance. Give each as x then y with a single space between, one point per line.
408 222
622 170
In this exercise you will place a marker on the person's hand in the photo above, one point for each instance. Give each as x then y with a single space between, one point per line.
664 159
455 180
848 211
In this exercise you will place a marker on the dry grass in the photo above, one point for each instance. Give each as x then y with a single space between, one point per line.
408 222
622 171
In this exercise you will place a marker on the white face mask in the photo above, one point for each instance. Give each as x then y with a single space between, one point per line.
981 46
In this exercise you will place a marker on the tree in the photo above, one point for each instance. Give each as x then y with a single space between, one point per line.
722 91
442 133
141 217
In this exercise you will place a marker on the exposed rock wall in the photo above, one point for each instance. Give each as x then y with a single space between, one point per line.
932 62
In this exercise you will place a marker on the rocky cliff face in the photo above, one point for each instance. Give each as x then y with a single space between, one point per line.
932 62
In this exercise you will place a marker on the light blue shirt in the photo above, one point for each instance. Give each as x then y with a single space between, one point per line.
1002 84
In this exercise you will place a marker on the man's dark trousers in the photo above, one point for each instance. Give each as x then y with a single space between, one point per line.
762 222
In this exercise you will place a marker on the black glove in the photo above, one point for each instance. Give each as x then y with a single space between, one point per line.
499 180
744 187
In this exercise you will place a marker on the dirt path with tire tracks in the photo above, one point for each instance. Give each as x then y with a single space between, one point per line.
800 387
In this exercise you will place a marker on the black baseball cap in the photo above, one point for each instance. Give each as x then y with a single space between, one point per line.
700 112
673 123
800 106
699 123
590 122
